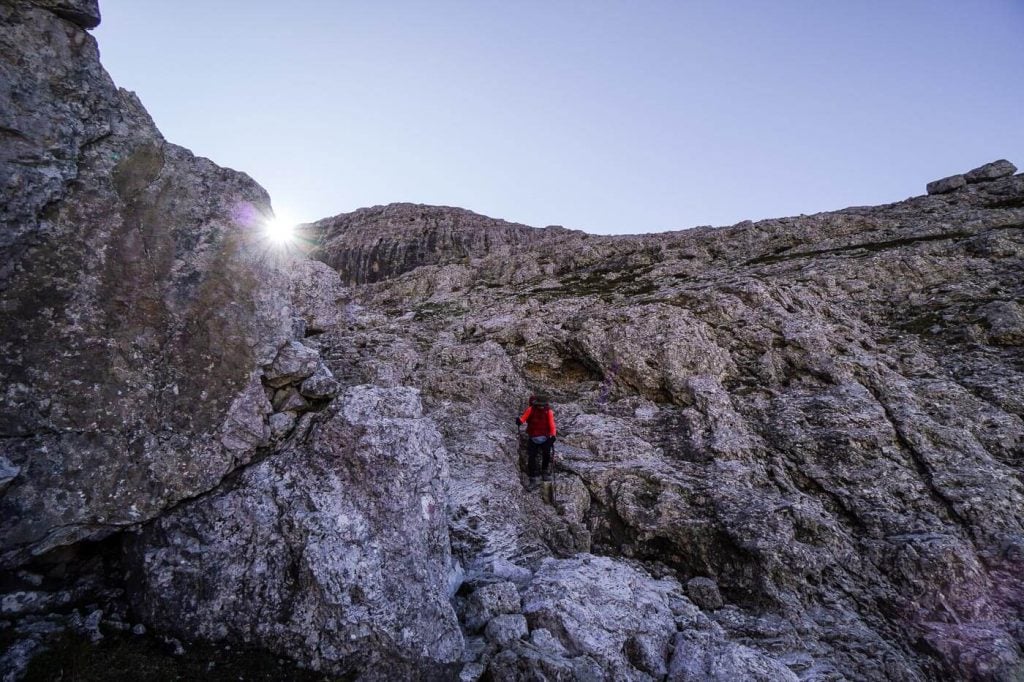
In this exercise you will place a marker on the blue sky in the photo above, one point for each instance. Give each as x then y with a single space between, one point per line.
608 116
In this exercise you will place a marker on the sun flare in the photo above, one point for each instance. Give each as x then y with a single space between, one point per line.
280 228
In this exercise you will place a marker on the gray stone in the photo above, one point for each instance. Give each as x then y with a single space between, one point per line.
281 423
543 639
245 427
321 384
289 399
946 184
318 295
506 629
1005 320
91 625
701 657
471 672
704 593
135 296
519 575
139 629
7 472
618 616
294 362
84 13
16 656
489 601
32 601
990 171
334 551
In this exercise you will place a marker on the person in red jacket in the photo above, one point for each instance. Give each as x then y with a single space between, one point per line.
541 431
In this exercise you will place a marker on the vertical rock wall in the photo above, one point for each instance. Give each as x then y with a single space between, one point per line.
136 297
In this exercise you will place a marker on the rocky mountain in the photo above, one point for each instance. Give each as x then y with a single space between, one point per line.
374 244
788 450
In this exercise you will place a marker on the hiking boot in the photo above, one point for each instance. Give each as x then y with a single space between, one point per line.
546 476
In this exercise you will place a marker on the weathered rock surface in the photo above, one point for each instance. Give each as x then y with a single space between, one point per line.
600 608
136 298
85 13
946 184
820 414
335 551
815 424
991 171
373 244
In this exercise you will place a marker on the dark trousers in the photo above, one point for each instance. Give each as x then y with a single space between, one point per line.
542 449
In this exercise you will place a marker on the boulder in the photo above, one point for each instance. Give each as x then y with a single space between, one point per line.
294 362
990 171
281 423
946 184
489 601
320 385
613 613
288 399
334 552
705 657
506 629
136 298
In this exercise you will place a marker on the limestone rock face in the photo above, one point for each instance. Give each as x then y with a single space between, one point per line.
335 551
821 415
373 244
607 611
136 297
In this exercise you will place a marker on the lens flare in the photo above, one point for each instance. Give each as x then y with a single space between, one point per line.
280 230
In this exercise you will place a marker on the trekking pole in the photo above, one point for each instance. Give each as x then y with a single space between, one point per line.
554 480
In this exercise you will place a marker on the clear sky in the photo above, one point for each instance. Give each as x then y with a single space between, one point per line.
608 116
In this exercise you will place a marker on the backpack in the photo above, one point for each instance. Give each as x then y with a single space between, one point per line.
538 419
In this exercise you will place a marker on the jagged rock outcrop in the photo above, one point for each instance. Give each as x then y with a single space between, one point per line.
128 298
138 300
820 414
374 244
990 171
335 550
138 306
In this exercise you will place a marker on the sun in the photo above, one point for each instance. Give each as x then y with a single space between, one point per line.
279 229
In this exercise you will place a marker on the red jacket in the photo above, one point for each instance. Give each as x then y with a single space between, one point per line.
540 421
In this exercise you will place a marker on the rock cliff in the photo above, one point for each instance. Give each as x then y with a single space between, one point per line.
820 417
374 244
788 450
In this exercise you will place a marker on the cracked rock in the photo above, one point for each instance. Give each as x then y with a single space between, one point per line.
321 384
489 601
294 362
704 593
506 629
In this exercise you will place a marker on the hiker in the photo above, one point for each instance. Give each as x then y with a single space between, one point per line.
540 429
